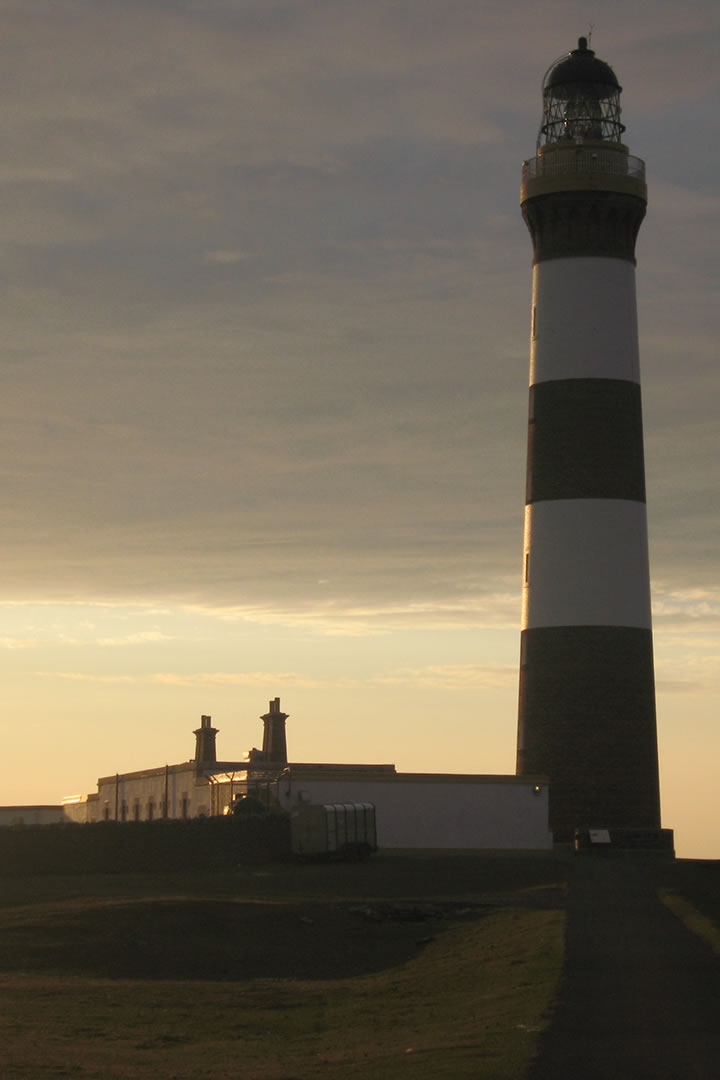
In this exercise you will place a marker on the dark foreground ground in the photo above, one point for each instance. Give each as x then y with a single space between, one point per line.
398 968
640 993
455 967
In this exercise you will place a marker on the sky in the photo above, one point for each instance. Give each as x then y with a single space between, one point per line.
265 316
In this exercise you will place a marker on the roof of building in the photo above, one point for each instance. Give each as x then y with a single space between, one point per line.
33 806
318 771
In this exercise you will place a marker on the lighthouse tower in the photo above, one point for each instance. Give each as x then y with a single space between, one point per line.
587 697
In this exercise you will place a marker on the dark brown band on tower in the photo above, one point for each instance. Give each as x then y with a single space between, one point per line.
587 720
585 440
567 224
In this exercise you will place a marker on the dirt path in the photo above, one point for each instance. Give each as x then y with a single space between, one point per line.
640 998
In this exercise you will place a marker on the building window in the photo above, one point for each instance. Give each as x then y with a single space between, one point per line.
151 810
184 806
123 811
136 810
106 812
164 808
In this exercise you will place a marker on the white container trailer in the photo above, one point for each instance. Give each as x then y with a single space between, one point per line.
342 830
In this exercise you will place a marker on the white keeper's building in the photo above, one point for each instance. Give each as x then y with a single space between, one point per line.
413 810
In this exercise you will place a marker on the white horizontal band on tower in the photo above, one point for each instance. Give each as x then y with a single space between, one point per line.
584 320
586 564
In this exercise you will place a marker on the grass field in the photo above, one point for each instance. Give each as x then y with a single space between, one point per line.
404 966
416 966
691 889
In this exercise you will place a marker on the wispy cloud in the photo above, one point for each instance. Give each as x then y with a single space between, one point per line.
692 609
21 643
205 678
251 678
454 676
690 674
344 617
82 676
38 642
142 637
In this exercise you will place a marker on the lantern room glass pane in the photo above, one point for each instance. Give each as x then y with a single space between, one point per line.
581 111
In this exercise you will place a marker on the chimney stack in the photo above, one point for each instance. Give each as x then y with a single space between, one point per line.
274 745
205 753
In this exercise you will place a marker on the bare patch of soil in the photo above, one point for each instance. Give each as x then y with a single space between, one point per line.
217 938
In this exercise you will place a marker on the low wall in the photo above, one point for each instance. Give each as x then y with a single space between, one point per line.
31 815
107 847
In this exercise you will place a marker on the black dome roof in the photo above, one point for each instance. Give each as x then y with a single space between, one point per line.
581 66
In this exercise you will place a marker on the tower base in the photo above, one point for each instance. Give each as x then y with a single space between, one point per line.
654 842
587 722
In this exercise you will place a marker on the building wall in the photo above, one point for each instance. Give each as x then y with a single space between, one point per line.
426 811
31 815
141 796
414 810
80 809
